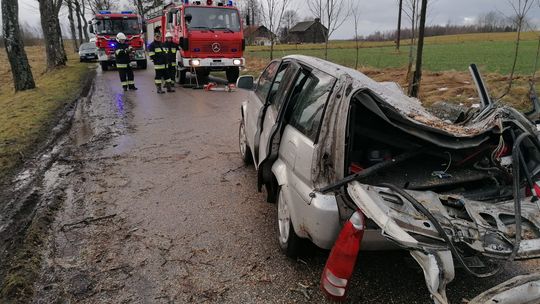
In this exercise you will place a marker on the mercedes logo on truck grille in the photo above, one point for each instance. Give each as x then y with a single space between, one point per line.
216 47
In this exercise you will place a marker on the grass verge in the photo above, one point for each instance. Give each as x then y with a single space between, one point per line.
27 117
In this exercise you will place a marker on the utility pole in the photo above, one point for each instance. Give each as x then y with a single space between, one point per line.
398 39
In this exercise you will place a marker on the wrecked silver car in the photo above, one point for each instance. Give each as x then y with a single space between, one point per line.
356 164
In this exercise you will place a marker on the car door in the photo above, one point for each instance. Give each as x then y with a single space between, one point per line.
311 92
255 107
277 96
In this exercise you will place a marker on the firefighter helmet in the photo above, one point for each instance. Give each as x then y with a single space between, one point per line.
120 36
168 35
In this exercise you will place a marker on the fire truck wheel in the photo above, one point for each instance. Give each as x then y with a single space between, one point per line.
233 74
142 64
202 75
104 66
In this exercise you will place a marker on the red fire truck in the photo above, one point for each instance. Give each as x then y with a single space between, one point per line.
209 32
106 25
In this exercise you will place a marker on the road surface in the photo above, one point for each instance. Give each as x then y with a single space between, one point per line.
161 209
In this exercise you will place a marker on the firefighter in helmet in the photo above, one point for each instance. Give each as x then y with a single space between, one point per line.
122 54
157 53
171 49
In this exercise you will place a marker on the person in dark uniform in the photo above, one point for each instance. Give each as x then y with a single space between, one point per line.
157 53
122 55
171 49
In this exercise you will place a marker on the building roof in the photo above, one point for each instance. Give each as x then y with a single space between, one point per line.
303 26
252 29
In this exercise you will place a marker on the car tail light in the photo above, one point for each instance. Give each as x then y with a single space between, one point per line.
342 260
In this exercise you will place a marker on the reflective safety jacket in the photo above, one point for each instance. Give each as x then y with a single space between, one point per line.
121 53
157 53
171 49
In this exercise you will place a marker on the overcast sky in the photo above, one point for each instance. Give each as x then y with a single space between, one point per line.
375 15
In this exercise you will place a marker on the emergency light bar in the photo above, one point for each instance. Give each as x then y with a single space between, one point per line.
104 12
127 12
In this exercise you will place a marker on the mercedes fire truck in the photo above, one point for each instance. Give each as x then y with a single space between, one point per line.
106 25
209 32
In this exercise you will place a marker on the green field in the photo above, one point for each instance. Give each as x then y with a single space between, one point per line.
492 52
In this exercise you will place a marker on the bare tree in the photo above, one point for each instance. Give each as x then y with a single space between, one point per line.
411 11
80 7
537 55
143 6
332 13
100 5
414 88
20 68
52 32
521 9
69 4
252 10
79 21
273 11
400 11
356 16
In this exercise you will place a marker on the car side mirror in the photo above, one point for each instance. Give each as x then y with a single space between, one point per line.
170 17
144 28
245 82
91 29
188 18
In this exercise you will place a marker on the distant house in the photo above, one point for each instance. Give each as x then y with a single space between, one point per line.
258 35
308 32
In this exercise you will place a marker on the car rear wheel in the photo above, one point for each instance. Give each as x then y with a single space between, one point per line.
291 244
245 151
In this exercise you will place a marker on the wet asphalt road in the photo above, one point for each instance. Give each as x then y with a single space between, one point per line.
173 215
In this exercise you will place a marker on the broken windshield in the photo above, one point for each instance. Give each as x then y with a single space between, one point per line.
115 26
211 18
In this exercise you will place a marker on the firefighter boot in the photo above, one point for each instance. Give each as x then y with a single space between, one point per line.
169 87
159 90
125 87
132 87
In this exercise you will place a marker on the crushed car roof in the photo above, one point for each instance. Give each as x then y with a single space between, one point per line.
409 108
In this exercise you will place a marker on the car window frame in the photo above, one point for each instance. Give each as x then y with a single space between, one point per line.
255 91
314 71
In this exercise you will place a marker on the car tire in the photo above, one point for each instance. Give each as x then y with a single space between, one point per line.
233 74
104 66
291 244
245 151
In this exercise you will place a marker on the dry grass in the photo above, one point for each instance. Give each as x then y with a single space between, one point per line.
449 86
26 117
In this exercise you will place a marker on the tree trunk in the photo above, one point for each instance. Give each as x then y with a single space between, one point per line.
69 4
52 33
415 88
272 49
411 48
536 60
140 7
20 68
516 53
79 22
82 13
398 39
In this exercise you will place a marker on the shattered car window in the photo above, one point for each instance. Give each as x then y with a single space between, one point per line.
309 98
